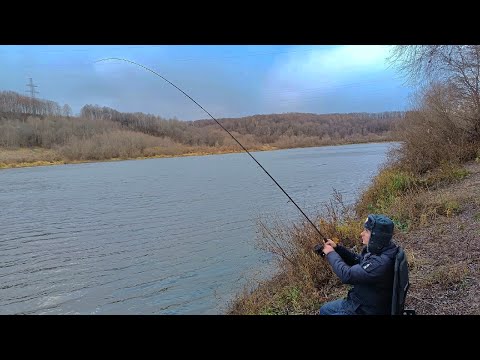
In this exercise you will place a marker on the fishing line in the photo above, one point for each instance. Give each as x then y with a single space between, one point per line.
233 137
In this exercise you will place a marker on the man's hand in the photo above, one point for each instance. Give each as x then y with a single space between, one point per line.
327 248
331 243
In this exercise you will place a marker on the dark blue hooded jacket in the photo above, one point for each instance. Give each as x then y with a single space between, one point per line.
371 275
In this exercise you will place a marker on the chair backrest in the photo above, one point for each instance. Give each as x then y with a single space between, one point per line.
401 283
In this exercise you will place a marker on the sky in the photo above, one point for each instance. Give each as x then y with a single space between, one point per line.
227 80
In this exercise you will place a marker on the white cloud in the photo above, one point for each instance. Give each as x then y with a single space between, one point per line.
334 63
305 73
358 57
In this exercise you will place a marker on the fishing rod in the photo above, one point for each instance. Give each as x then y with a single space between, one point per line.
233 137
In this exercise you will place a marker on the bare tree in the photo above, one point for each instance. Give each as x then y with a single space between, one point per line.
454 66
67 110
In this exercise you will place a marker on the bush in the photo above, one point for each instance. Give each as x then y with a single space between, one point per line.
435 134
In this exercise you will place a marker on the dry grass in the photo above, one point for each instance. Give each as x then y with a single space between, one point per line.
116 145
28 157
447 275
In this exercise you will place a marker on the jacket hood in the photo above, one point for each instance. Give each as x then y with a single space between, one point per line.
381 227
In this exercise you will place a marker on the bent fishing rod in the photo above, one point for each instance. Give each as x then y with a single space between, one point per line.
233 137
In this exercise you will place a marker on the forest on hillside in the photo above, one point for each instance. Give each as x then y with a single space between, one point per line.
101 132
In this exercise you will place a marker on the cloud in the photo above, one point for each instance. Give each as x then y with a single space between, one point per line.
322 71
332 63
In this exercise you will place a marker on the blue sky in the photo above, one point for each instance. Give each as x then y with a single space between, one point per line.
228 81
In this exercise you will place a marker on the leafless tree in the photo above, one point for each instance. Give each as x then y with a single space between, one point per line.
456 67
67 110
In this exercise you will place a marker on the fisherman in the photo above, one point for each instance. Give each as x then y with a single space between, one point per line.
370 273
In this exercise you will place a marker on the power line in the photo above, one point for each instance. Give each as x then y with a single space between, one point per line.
32 90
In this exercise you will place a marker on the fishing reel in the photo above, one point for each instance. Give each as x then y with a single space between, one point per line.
318 249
